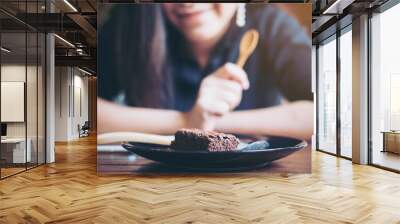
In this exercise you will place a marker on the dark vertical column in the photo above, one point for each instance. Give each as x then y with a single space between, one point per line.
44 69
73 92
69 91
26 86
369 90
1 163
37 88
338 77
317 96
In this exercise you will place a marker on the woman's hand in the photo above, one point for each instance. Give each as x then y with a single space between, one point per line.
219 93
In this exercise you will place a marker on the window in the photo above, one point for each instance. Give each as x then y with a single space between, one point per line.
346 92
385 88
327 96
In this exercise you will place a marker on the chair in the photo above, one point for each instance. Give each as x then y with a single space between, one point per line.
84 130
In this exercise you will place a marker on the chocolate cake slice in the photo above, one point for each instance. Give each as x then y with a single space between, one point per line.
197 140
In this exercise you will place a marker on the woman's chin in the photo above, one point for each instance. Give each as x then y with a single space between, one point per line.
200 34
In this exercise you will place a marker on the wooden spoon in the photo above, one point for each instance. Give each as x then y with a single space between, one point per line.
247 45
121 137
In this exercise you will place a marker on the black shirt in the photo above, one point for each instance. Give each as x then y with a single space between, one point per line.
279 68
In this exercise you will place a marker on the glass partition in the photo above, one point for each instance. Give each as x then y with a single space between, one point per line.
23 91
15 151
35 89
31 99
41 88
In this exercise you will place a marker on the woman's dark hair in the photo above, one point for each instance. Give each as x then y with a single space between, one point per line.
138 52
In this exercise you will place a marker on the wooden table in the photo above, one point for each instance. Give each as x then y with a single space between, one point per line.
14 150
391 141
116 160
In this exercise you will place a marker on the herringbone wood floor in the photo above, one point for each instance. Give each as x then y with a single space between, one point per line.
69 191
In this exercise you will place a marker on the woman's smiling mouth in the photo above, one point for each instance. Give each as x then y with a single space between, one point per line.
193 17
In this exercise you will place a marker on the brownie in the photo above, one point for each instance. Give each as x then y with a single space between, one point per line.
197 140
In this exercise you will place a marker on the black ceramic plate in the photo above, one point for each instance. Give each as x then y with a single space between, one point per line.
219 161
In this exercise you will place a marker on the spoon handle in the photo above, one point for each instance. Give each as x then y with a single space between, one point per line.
120 137
242 59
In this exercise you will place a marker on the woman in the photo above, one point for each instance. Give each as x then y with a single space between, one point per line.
168 66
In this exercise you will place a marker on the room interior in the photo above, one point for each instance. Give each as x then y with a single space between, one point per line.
48 78
25 92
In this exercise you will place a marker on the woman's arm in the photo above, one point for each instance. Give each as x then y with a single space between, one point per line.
293 119
219 93
286 49
114 117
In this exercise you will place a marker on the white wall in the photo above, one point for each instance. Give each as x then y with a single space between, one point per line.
80 110
71 94
62 81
